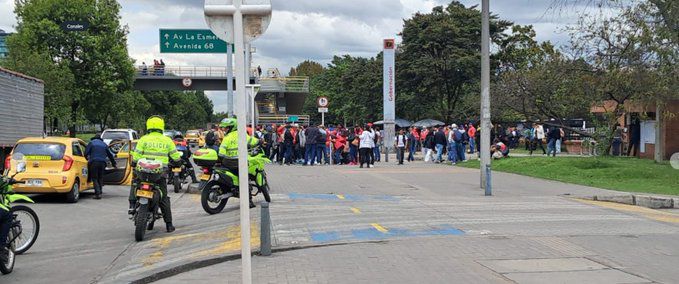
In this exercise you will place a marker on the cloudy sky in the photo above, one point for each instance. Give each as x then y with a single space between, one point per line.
307 29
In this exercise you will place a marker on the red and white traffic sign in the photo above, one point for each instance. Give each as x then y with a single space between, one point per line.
322 102
187 82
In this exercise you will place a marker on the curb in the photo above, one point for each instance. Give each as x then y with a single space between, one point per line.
648 201
173 271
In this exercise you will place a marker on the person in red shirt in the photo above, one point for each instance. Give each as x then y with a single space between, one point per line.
471 132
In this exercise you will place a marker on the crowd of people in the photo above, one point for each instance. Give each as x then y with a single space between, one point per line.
294 144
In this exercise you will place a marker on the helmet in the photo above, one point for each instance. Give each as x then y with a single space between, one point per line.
229 122
155 122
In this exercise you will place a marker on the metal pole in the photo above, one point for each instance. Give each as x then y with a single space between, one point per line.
229 77
265 229
242 144
322 118
485 91
489 183
252 107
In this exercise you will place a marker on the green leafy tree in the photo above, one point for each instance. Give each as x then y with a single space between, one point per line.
94 63
440 56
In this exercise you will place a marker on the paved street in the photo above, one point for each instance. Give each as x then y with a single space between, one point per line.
416 223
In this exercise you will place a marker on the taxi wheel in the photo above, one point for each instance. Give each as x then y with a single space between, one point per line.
74 195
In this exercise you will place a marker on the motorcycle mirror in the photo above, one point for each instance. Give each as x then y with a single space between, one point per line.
21 167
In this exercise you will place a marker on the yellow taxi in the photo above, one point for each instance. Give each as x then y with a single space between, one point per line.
195 138
58 165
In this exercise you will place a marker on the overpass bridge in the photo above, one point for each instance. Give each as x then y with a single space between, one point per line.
170 78
279 98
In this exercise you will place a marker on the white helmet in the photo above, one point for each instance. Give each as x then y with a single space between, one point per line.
454 125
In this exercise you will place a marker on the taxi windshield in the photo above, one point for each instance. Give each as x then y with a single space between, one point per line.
39 150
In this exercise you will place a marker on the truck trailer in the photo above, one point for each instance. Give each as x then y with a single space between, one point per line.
22 105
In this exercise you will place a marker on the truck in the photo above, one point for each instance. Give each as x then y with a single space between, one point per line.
22 105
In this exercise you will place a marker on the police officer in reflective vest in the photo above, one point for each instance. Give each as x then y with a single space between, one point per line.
159 147
228 150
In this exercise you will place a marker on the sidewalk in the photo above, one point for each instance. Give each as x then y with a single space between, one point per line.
425 223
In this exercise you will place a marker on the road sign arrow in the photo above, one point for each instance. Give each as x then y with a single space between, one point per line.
167 36
167 44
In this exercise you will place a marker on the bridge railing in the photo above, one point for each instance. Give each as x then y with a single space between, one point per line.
293 84
181 71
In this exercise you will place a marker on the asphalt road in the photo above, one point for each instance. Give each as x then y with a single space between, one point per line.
414 212
77 242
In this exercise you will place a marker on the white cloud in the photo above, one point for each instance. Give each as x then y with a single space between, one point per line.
7 18
306 29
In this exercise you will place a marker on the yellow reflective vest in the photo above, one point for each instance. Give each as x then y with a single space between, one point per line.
229 146
156 146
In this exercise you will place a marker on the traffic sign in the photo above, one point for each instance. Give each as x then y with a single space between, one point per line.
293 118
322 109
190 41
187 82
75 26
322 102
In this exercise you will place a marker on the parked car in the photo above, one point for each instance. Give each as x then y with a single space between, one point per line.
194 138
57 165
110 135
172 133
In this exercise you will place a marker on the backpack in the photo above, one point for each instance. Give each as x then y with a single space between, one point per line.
210 138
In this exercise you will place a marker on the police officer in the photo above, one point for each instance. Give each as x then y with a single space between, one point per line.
159 147
228 150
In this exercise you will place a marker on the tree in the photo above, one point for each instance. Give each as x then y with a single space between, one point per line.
627 63
307 68
440 56
94 63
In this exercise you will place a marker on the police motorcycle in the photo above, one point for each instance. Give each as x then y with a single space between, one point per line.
149 173
25 225
179 171
218 184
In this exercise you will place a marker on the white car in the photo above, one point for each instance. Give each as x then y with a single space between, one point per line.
110 135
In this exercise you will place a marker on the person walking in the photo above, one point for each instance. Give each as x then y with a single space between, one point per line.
538 137
366 144
301 145
428 146
412 144
554 136
441 142
400 145
96 153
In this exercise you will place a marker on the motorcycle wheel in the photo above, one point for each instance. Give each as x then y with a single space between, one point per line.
30 227
8 266
140 222
207 198
177 184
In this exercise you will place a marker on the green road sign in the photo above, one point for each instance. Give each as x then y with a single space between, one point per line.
190 41
293 118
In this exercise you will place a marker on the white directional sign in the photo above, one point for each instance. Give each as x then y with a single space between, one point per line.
322 109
